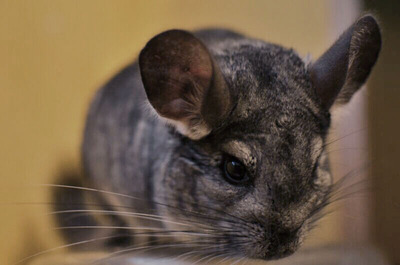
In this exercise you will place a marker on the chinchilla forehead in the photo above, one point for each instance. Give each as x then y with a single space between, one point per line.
258 72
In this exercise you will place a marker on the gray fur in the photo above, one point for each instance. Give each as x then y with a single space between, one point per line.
277 128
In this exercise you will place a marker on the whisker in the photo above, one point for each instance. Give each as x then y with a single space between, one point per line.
344 136
215 257
239 260
203 258
89 189
137 215
152 229
63 247
347 177
86 204
246 261
223 260
179 257
158 203
349 195
147 248
346 149
191 253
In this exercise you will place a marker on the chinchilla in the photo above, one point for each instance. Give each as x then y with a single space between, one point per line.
215 141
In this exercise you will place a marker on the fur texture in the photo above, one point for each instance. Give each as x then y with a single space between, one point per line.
276 126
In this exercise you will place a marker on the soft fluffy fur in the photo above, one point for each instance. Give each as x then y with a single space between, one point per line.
276 126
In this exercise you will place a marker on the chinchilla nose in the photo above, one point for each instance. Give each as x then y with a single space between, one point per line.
282 241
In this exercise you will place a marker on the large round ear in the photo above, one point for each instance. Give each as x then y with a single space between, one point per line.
345 66
183 83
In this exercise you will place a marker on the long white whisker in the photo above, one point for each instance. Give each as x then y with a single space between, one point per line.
141 199
140 228
215 257
63 247
145 248
246 261
202 250
224 259
90 189
108 227
239 260
179 257
203 258
138 215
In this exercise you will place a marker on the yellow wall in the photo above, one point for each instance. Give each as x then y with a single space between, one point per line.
55 54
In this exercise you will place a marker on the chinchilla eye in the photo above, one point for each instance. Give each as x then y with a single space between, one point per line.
235 171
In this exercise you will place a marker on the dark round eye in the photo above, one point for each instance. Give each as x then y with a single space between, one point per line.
235 171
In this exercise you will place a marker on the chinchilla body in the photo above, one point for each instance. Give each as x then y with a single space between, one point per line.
216 139
125 147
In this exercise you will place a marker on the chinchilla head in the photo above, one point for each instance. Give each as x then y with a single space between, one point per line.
248 167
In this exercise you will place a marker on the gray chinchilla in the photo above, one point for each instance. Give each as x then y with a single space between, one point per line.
214 141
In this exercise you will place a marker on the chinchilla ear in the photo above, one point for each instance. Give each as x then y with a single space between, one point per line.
183 83
345 66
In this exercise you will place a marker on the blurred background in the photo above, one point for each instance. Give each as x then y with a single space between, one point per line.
55 54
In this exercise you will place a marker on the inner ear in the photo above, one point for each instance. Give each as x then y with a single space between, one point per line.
183 83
